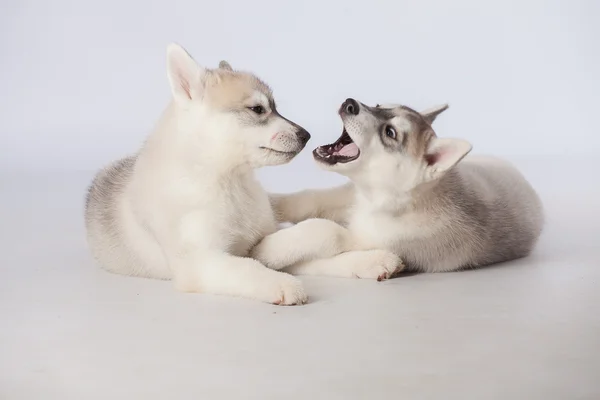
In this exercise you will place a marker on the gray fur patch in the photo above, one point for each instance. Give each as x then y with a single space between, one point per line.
480 231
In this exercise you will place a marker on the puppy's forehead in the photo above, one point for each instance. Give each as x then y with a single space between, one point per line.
237 88
258 97
261 93
397 109
389 105
402 122
259 90
262 88
400 112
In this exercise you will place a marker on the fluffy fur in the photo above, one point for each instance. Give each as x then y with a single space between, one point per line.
187 206
413 194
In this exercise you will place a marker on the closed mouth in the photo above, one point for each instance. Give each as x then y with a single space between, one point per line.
286 153
342 151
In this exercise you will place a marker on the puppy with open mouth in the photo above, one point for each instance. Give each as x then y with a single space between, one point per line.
417 195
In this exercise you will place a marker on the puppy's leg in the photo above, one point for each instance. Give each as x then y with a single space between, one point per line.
223 274
308 240
368 264
330 204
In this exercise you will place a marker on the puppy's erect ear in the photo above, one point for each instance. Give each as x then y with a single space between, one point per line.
225 65
185 75
431 113
444 153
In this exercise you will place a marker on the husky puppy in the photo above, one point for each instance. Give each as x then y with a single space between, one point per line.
416 195
187 206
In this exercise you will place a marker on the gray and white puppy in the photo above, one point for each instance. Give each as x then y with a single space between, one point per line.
416 195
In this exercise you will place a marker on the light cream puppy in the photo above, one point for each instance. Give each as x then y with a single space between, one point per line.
187 206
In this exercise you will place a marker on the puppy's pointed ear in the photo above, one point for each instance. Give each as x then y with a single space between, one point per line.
185 75
445 153
225 65
431 113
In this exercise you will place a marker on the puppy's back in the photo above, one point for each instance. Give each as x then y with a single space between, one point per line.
103 216
512 216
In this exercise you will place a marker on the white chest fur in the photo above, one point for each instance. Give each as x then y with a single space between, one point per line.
376 229
248 216
197 207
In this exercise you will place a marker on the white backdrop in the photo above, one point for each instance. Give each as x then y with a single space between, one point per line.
83 82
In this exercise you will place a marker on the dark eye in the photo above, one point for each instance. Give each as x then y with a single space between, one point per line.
390 132
258 109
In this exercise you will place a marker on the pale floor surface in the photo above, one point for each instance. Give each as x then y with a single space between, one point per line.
525 330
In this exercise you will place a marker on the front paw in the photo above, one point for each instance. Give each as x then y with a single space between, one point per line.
378 264
286 290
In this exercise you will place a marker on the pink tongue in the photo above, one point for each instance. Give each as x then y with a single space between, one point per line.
350 150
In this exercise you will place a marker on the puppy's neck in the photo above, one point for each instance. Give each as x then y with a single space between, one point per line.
396 201
383 199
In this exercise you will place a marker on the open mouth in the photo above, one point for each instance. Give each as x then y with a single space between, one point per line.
343 150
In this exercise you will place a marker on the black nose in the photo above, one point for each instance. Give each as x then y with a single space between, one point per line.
303 136
350 106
